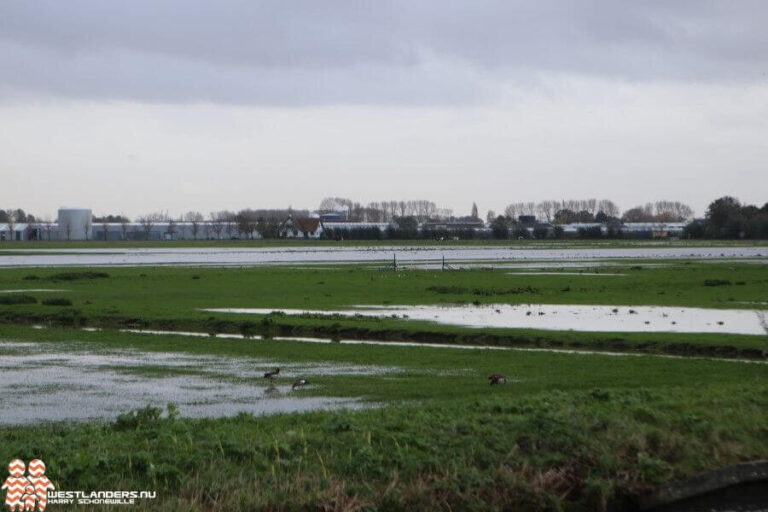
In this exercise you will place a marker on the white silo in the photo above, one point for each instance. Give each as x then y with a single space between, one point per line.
75 224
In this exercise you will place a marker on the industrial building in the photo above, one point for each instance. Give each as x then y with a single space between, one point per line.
78 224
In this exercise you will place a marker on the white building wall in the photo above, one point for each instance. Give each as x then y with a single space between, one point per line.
75 224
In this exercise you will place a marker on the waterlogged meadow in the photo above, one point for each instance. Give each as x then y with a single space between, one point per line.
577 431
87 381
405 421
645 308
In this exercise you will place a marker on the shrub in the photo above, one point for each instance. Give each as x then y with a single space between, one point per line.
717 282
57 301
76 276
17 299
248 329
447 289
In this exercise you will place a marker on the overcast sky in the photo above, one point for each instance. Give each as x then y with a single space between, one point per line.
154 105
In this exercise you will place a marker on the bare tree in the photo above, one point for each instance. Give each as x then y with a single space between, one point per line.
148 221
637 214
216 221
608 207
171 227
11 213
87 226
230 224
671 211
47 226
194 219
105 227
246 223
545 210
38 229
124 225
181 228
512 210
337 204
392 207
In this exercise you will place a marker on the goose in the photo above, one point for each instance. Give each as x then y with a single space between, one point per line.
273 374
496 379
300 384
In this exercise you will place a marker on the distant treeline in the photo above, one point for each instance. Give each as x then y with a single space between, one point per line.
725 218
728 218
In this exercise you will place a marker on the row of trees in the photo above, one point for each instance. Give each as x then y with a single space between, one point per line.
16 215
556 211
727 217
383 211
221 224
593 210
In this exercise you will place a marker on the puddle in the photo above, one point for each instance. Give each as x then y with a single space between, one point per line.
82 381
557 317
33 290
563 274
223 256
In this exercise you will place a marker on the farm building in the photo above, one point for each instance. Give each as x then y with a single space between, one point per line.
653 229
18 232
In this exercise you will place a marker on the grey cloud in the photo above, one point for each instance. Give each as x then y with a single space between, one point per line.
377 52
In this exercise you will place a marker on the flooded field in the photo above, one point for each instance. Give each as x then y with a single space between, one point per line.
558 317
565 274
79 381
340 255
34 290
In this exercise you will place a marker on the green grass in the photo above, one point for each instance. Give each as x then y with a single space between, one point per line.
177 291
170 298
466 369
572 432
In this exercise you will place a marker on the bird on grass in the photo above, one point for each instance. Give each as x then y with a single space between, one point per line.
497 379
273 374
299 384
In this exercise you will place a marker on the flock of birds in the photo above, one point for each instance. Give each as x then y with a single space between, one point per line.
272 376
494 379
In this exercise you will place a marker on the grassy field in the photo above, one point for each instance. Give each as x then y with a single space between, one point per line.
568 432
171 298
573 432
